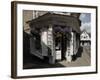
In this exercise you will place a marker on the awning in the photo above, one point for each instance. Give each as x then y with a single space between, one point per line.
56 19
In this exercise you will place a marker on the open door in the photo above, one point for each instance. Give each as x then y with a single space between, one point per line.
58 47
60 43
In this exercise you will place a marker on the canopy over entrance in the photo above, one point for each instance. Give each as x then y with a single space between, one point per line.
56 19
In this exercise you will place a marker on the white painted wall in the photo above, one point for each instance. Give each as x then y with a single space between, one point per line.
44 43
71 44
84 36
70 49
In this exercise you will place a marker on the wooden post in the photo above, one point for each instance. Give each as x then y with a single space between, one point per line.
69 52
51 45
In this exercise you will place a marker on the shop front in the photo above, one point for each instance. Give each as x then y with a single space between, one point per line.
54 36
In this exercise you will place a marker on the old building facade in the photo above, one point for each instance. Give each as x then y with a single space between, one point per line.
85 39
55 36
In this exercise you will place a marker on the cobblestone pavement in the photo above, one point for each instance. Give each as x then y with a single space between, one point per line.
32 62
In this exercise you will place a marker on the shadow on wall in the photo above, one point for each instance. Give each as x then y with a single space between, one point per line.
26 46
78 54
32 62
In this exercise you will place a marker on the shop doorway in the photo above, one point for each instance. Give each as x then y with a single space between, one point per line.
60 45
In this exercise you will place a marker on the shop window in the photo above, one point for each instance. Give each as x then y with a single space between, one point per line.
58 43
37 40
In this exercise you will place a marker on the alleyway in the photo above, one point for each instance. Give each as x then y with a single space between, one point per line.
34 62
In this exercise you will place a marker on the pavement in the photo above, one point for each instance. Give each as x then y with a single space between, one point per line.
33 62
84 60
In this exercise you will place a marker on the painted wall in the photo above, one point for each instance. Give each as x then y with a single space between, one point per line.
44 43
84 36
